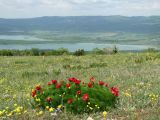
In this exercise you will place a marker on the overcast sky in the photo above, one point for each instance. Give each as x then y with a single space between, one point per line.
36 8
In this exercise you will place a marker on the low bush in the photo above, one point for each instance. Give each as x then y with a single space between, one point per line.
75 96
79 52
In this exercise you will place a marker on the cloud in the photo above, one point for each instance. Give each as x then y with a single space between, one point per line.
33 8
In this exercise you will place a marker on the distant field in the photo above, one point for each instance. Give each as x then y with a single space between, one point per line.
136 74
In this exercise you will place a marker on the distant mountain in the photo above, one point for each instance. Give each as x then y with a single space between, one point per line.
84 24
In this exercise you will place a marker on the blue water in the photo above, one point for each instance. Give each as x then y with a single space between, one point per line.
73 47
70 46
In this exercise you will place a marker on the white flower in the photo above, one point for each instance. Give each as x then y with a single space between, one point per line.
89 118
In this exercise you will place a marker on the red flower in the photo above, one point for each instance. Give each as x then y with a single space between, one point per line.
68 85
106 85
38 87
85 97
78 92
70 100
58 86
75 80
34 93
72 79
90 84
115 91
92 79
49 83
54 81
49 99
101 83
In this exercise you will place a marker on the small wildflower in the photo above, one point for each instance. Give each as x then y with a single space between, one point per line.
1 113
51 109
47 107
15 105
59 106
38 100
104 114
89 118
39 113
25 111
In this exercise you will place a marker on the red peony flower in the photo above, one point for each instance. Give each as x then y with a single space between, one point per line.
49 99
58 86
68 85
54 81
77 82
101 83
78 92
106 85
34 93
72 79
38 87
90 84
92 79
115 91
70 100
85 97
49 83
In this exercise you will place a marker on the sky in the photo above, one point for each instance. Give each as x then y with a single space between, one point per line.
38 8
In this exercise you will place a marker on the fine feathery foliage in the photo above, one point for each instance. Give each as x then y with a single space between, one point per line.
75 96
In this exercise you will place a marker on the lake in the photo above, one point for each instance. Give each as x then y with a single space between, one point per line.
73 47
70 46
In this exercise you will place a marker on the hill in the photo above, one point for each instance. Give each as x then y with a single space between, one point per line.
139 24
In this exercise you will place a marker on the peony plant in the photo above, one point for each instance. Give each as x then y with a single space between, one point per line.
75 96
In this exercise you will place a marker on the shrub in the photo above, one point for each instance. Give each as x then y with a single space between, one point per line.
75 96
115 49
151 50
97 51
79 52
35 52
6 53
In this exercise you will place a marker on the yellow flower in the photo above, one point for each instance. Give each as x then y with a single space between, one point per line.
10 114
59 106
15 105
51 109
18 109
1 113
128 94
39 113
104 114
47 107
38 100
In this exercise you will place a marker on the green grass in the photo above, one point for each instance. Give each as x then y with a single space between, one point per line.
136 74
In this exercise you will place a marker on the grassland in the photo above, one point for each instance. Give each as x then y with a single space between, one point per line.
136 74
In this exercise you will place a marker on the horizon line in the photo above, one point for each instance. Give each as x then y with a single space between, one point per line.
82 16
